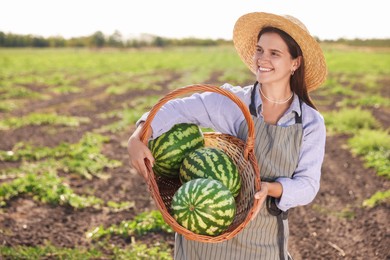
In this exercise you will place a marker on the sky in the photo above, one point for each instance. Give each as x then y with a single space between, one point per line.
330 19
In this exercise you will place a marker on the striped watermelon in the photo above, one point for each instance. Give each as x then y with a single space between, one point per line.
212 163
170 148
204 206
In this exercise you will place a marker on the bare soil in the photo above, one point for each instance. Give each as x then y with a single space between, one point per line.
333 226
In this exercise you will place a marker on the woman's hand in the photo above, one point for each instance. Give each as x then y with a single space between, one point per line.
139 153
273 189
261 196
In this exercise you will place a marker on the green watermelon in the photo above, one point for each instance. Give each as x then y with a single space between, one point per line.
212 163
204 206
170 148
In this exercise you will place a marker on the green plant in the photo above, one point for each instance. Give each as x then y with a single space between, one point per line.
378 197
47 252
128 117
374 146
143 223
375 101
65 89
349 121
157 251
120 206
345 213
47 188
41 119
140 251
84 158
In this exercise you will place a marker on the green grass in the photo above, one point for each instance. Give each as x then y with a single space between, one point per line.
377 198
47 252
83 158
128 115
37 119
346 213
47 188
158 251
37 176
357 62
142 224
9 105
19 92
364 100
374 146
349 121
56 66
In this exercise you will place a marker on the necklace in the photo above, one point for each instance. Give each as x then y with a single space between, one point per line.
276 101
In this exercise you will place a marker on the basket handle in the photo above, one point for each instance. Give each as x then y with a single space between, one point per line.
249 146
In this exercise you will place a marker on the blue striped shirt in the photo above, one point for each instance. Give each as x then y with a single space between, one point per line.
223 115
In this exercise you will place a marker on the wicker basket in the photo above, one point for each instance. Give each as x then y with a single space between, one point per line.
163 189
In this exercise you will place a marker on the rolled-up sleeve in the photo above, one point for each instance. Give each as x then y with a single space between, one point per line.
302 188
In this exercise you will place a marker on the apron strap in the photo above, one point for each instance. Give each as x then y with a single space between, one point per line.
298 118
252 107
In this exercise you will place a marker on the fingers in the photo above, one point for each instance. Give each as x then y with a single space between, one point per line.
263 191
140 157
260 196
257 210
140 164
141 169
149 156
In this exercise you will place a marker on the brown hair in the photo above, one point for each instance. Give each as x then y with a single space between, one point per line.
297 81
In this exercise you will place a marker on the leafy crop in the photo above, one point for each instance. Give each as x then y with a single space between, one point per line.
374 146
377 198
349 121
41 119
83 158
47 188
40 178
143 223
134 251
47 252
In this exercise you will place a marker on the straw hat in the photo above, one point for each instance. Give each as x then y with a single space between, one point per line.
248 27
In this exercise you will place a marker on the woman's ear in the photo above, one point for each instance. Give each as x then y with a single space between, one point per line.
297 63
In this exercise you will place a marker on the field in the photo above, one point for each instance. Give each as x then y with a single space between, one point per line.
67 190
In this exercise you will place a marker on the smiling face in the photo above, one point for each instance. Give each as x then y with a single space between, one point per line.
273 60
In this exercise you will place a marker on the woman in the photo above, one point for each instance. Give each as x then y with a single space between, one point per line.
290 132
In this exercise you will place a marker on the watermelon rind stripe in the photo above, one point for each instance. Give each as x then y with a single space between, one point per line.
213 206
213 163
170 148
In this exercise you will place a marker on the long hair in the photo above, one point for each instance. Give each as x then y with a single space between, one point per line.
297 81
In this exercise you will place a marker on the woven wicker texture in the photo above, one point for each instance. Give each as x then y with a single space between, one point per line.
248 27
242 153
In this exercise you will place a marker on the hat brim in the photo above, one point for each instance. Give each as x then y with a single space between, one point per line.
248 27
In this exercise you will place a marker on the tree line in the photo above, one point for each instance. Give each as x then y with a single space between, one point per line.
116 40
100 40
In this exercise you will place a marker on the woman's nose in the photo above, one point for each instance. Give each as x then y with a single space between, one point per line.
261 57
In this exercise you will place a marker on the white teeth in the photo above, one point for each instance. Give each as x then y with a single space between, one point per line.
264 69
